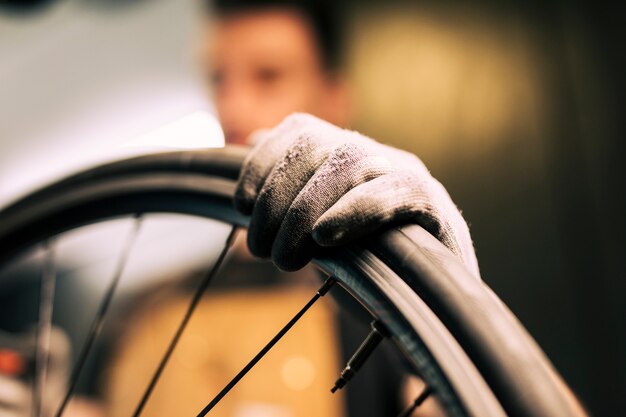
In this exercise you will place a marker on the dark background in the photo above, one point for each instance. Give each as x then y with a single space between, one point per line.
544 190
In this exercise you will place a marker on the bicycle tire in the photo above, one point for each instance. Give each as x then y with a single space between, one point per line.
449 324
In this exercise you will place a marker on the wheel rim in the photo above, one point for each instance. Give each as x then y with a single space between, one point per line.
202 184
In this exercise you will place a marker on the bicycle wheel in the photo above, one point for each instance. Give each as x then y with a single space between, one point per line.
456 335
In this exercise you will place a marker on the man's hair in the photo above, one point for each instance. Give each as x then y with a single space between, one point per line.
326 19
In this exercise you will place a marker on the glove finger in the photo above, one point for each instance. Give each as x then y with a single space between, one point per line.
270 147
315 140
397 197
280 189
455 232
349 165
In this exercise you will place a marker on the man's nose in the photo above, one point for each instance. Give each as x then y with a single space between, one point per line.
237 110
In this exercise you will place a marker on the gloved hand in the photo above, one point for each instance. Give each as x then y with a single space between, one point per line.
309 183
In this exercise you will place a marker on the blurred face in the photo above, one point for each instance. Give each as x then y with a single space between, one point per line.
265 65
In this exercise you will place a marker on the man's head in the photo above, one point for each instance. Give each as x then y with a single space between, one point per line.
268 59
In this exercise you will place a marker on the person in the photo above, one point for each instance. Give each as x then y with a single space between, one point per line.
268 59
274 71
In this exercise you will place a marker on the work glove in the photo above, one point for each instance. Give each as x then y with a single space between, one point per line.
308 183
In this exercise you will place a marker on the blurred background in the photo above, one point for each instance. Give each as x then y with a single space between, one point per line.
515 106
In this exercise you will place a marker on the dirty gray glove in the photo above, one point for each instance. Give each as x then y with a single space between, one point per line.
309 183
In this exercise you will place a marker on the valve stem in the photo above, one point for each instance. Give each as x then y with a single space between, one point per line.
360 356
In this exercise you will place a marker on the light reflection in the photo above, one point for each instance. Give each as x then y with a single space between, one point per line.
194 131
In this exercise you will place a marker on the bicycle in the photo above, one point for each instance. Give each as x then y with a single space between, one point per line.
472 353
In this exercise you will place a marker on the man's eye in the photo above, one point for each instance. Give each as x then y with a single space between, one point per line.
216 78
268 75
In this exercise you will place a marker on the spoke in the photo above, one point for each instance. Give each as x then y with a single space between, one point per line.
320 292
183 324
418 401
96 324
44 328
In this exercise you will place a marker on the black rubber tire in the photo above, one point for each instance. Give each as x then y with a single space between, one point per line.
454 330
